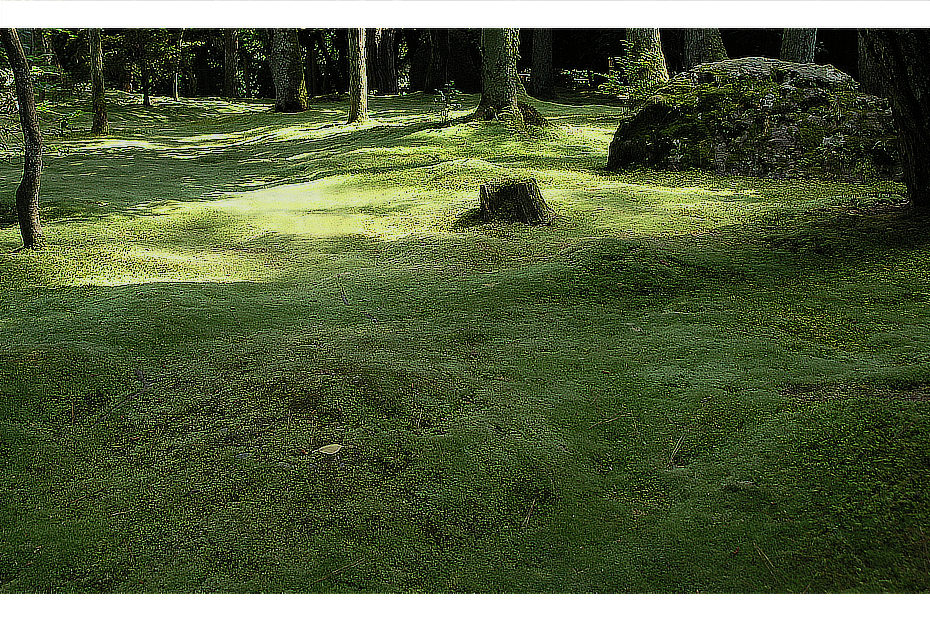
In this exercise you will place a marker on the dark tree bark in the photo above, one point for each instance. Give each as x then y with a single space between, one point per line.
514 201
27 194
176 82
541 74
649 61
341 58
98 96
41 41
900 53
287 70
798 44
358 76
382 71
500 82
146 82
870 80
230 62
429 64
464 65
700 45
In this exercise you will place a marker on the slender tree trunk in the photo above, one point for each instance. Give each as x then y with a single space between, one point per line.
287 69
329 69
27 194
465 59
98 95
541 75
647 56
341 53
372 43
798 44
387 61
899 53
230 63
146 82
358 76
702 45
41 41
869 78
176 82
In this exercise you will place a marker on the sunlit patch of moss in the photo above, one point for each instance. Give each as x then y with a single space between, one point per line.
515 402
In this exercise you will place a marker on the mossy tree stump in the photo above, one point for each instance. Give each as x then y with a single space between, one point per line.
514 201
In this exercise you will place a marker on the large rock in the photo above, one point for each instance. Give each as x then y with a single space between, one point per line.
760 117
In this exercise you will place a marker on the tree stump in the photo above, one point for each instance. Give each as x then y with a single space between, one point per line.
514 201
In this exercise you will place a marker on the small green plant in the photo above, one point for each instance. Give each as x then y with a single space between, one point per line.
630 77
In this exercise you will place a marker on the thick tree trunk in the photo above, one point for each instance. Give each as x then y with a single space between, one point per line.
700 45
648 59
98 95
870 80
542 73
27 194
230 63
900 53
287 70
358 76
500 82
798 44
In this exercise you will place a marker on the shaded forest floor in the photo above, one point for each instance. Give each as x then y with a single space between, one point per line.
688 383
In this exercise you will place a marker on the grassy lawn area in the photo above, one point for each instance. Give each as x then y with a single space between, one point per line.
688 383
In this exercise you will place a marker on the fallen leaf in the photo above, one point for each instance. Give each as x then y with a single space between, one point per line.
332 448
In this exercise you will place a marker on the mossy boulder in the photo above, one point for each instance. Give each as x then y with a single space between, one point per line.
760 117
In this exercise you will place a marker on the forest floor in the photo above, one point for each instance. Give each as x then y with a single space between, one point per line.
688 383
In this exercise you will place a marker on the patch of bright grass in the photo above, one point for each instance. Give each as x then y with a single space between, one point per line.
688 383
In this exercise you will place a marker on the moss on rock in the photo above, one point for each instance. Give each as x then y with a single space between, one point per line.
760 117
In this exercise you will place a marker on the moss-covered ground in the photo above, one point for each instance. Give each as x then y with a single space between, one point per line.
688 383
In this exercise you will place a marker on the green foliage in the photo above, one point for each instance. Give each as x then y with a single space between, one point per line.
632 77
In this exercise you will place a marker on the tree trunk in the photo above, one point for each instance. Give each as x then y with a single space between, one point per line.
899 53
541 74
387 61
98 95
287 70
648 60
513 201
382 72
176 82
372 41
146 82
700 45
499 48
429 64
341 58
870 80
464 67
230 63
27 194
798 44
38 34
358 76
